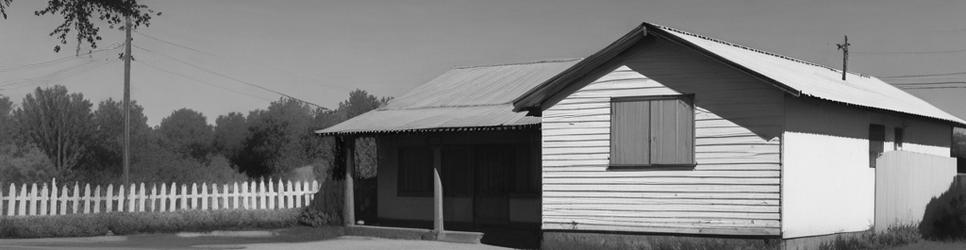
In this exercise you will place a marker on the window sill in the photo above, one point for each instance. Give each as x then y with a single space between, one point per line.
645 167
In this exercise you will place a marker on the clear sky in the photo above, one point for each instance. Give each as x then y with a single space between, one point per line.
319 50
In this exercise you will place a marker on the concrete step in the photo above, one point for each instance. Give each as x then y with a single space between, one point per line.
461 237
414 234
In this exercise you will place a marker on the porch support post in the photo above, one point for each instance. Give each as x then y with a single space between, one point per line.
437 193
348 211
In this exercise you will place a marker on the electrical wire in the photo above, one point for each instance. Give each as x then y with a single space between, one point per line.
926 52
55 60
160 69
59 76
925 75
308 77
226 76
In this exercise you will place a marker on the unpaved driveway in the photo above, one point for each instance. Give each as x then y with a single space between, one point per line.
288 239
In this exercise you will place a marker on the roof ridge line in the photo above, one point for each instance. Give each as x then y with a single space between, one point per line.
709 38
520 63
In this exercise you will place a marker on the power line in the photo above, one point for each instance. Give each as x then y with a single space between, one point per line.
930 83
58 76
155 67
319 81
926 75
936 87
87 61
173 43
229 77
925 52
55 60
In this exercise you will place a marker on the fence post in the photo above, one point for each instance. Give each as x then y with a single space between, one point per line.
32 200
75 200
163 198
261 194
287 193
153 201
224 196
269 195
119 197
140 195
132 197
214 197
11 199
173 197
63 199
97 199
87 200
243 195
204 195
43 196
234 194
52 204
108 200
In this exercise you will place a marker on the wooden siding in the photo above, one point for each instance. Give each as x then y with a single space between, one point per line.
733 189
905 182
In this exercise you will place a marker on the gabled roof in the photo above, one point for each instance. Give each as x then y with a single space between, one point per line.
469 98
797 77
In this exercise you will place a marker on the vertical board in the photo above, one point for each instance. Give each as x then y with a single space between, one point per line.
905 182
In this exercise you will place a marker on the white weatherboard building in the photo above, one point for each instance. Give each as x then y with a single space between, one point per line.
661 132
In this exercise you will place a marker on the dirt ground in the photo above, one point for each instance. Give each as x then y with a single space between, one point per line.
290 239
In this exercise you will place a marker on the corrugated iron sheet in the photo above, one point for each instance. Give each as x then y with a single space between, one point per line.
472 97
819 81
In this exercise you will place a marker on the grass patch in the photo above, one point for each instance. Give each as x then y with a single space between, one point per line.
80 225
894 236
575 240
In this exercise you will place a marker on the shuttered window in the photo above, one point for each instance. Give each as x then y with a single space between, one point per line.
876 142
652 131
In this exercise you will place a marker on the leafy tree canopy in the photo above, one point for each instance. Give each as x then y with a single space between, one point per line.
58 122
187 131
80 15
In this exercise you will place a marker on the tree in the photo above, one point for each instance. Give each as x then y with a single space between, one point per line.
187 132
360 102
106 148
59 123
7 128
231 131
78 16
278 139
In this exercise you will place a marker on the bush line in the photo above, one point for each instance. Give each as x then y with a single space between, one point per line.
81 225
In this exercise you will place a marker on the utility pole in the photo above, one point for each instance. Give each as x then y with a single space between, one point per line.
844 47
127 99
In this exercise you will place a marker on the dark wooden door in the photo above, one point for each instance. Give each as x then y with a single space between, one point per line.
493 170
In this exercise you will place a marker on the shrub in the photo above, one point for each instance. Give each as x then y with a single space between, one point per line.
76 225
326 207
894 236
945 216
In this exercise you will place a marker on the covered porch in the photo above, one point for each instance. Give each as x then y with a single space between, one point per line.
484 180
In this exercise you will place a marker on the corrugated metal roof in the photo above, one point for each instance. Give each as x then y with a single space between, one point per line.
795 76
818 81
470 97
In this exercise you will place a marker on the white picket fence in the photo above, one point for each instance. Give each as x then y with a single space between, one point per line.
60 200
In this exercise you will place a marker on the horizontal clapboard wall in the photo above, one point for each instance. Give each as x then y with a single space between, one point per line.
733 190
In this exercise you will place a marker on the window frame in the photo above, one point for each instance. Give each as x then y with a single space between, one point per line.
687 98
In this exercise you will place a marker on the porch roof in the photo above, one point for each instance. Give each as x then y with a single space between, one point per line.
462 99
